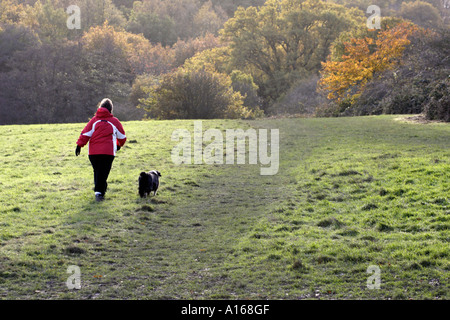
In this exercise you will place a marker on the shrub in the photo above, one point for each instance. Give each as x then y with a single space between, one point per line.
368 102
301 98
327 109
194 95
409 99
336 108
438 107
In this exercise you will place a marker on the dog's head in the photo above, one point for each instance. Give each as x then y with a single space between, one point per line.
155 172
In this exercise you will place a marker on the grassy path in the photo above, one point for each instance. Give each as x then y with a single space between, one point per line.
350 193
174 245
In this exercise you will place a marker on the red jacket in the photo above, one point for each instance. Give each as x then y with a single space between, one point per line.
104 133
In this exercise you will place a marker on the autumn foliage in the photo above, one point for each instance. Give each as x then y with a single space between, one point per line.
363 59
271 52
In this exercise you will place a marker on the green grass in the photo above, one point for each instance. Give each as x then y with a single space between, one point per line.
350 193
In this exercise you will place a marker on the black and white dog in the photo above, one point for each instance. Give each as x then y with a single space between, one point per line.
148 182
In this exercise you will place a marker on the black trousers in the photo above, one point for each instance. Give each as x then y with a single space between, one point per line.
101 163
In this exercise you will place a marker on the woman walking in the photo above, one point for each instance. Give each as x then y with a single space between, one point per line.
105 135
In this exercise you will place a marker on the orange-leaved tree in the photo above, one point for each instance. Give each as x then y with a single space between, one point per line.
363 59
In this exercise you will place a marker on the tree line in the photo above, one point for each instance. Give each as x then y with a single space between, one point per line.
169 59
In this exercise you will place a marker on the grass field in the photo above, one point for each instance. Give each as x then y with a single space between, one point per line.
350 193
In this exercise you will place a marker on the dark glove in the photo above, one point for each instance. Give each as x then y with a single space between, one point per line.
77 151
118 148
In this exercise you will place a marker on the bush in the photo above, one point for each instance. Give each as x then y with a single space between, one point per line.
368 102
408 100
328 109
301 98
194 95
334 108
438 108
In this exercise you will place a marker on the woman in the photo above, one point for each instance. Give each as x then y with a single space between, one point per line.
105 135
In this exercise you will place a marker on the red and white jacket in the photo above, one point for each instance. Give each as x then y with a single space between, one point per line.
104 132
